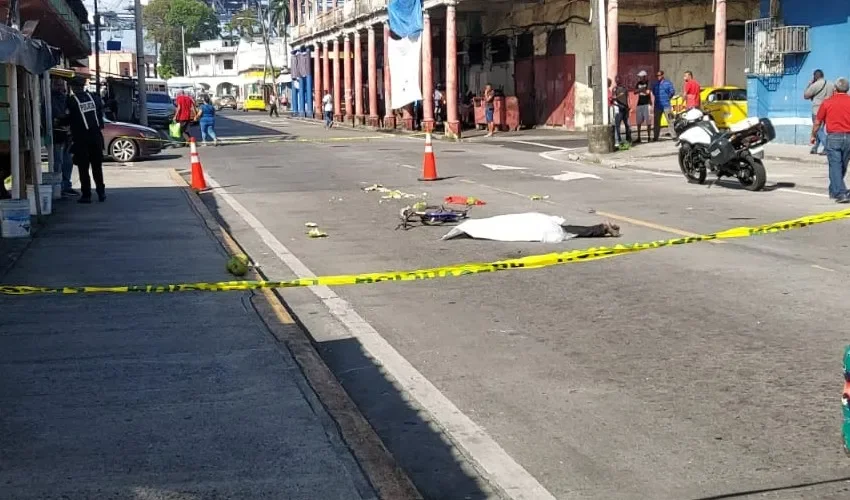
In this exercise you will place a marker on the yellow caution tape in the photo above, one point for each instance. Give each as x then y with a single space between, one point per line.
255 140
529 262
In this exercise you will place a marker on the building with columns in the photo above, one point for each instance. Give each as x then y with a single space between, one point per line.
539 52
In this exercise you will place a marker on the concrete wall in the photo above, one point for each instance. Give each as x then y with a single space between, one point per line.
682 44
780 98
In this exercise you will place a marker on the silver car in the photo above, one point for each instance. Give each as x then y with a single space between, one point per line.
160 109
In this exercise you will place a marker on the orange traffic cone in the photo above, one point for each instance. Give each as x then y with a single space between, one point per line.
429 163
198 181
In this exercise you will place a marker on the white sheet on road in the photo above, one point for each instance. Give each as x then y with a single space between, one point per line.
531 226
404 70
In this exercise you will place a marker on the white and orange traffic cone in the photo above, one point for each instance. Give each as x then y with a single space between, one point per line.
198 181
429 163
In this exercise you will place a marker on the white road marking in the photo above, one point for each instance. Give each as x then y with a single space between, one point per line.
502 167
408 166
823 268
567 176
807 193
491 458
546 155
541 145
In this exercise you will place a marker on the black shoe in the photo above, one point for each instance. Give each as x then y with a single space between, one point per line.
101 197
84 199
843 198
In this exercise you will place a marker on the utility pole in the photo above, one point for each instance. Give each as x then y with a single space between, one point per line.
183 44
141 66
96 50
600 135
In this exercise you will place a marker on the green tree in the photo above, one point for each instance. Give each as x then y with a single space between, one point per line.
166 71
165 20
280 16
246 23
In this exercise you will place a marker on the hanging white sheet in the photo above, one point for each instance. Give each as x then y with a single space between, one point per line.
405 56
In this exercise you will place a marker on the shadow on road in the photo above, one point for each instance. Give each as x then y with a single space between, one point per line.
431 461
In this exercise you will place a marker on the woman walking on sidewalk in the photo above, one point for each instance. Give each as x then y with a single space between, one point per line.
206 119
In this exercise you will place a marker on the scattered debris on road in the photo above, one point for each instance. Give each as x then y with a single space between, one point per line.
314 231
392 194
538 197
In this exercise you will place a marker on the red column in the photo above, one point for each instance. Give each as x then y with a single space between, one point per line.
337 82
372 57
346 72
427 76
326 70
613 25
453 125
719 79
358 79
389 116
317 81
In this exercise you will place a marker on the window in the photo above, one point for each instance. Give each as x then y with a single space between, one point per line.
733 32
158 98
556 43
228 64
476 52
635 38
524 46
500 49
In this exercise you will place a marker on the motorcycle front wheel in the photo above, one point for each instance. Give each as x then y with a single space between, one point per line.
752 174
691 165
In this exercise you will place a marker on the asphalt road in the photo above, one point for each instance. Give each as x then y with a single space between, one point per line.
701 371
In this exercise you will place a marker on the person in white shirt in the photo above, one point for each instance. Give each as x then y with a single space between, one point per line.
328 106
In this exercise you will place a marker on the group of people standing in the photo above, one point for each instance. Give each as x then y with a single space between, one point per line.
657 96
188 112
78 138
831 128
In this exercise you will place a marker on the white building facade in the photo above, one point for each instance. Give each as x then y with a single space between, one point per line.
219 67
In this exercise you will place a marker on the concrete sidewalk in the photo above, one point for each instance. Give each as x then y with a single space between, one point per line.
787 164
178 396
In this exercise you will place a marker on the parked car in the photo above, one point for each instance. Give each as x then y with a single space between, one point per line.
128 142
726 105
254 102
225 101
160 109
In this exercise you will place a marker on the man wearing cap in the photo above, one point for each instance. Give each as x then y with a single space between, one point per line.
644 101
835 114
663 91
85 115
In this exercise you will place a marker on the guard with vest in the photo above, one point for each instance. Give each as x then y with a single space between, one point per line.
85 113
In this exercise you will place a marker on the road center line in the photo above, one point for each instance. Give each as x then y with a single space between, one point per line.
492 459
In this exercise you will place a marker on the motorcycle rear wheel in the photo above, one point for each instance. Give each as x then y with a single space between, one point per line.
693 172
752 174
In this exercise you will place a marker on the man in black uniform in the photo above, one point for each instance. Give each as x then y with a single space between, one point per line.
85 113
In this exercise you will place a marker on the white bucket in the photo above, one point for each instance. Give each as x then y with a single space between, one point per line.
55 180
14 219
46 192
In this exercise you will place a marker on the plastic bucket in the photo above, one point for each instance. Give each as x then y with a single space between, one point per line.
46 192
14 219
55 180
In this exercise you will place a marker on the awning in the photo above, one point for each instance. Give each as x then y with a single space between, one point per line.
30 54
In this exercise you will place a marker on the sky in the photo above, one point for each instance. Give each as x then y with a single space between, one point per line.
127 38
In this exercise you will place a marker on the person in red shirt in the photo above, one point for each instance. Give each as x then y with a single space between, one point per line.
835 113
185 113
692 91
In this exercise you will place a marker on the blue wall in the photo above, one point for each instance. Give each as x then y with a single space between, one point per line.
781 98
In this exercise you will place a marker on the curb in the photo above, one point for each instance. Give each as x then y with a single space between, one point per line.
395 131
384 474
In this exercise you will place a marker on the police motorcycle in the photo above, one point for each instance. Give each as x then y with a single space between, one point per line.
737 152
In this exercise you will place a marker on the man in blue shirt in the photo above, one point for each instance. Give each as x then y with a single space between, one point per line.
662 92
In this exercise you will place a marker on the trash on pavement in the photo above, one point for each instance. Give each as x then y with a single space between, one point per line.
392 194
537 197
314 231
463 200
237 265
530 226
